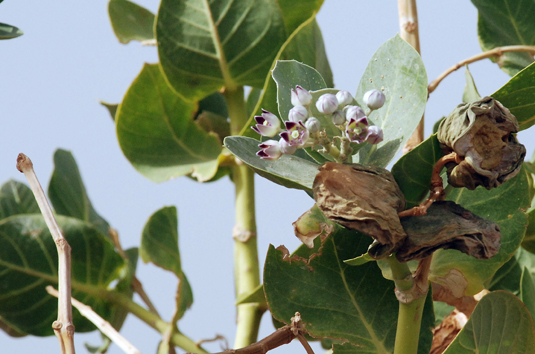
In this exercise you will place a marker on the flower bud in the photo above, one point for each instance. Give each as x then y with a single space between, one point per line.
287 148
374 99
327 103
354 112
375 135
270 150
344 98
362 198
338 117
313 125
300 96
268 124
483 133
298 113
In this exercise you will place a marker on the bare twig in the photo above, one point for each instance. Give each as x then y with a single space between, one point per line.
63 326
281 336
408 30
136 284
100 323
216 338
437 191
496 52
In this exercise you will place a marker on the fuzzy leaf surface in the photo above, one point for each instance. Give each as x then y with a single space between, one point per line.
306 46
398 71
337 301
130 22
205 45
518 95
513 199
500 324
29 261
67 192
502 23
413 170
289 171
157 134
159 245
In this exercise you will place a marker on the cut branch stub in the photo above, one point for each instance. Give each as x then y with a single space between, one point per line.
362 198
482 132
448 225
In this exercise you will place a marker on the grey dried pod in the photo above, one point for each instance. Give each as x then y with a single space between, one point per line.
447 225
483 133
362 198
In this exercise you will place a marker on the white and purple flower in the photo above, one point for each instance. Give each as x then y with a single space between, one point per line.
344 98
296 134
327 103
357 130
270 150
268 124
298 113
354 112
313 125
375 135
374 99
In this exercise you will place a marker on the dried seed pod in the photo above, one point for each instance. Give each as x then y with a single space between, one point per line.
482 132
362 198
448 225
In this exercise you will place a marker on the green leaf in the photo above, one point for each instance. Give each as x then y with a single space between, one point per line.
529 239
398 71
112 108
500 324
29 261
159 245
295 12
305 45
414 169
527 291
289 73
289 171
16 198
204 46
502 23
518 95
158 135
336 300
9 32
470 93
67 192
130 22
508 277
465 274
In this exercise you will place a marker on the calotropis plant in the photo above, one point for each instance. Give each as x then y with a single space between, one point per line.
449 215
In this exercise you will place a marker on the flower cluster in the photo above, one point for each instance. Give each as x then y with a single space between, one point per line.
304 130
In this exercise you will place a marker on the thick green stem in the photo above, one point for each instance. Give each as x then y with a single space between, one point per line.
246 268
408 330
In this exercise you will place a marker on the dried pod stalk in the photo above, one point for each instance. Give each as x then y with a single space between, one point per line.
362 198
449 226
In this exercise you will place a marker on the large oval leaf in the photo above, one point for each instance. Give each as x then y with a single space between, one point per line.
500 324
158 135
336 300
518 95
502 23
296 12
289 171
16 198
464 274
29 261
398 71
131 22
204 45
67 192
414 169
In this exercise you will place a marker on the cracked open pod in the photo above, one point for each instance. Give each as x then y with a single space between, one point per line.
362 198
447 225
483 133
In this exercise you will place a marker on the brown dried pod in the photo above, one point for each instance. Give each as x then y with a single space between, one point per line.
481 132
362 198
447 225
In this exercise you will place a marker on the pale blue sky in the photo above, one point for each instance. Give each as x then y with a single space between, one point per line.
52 78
